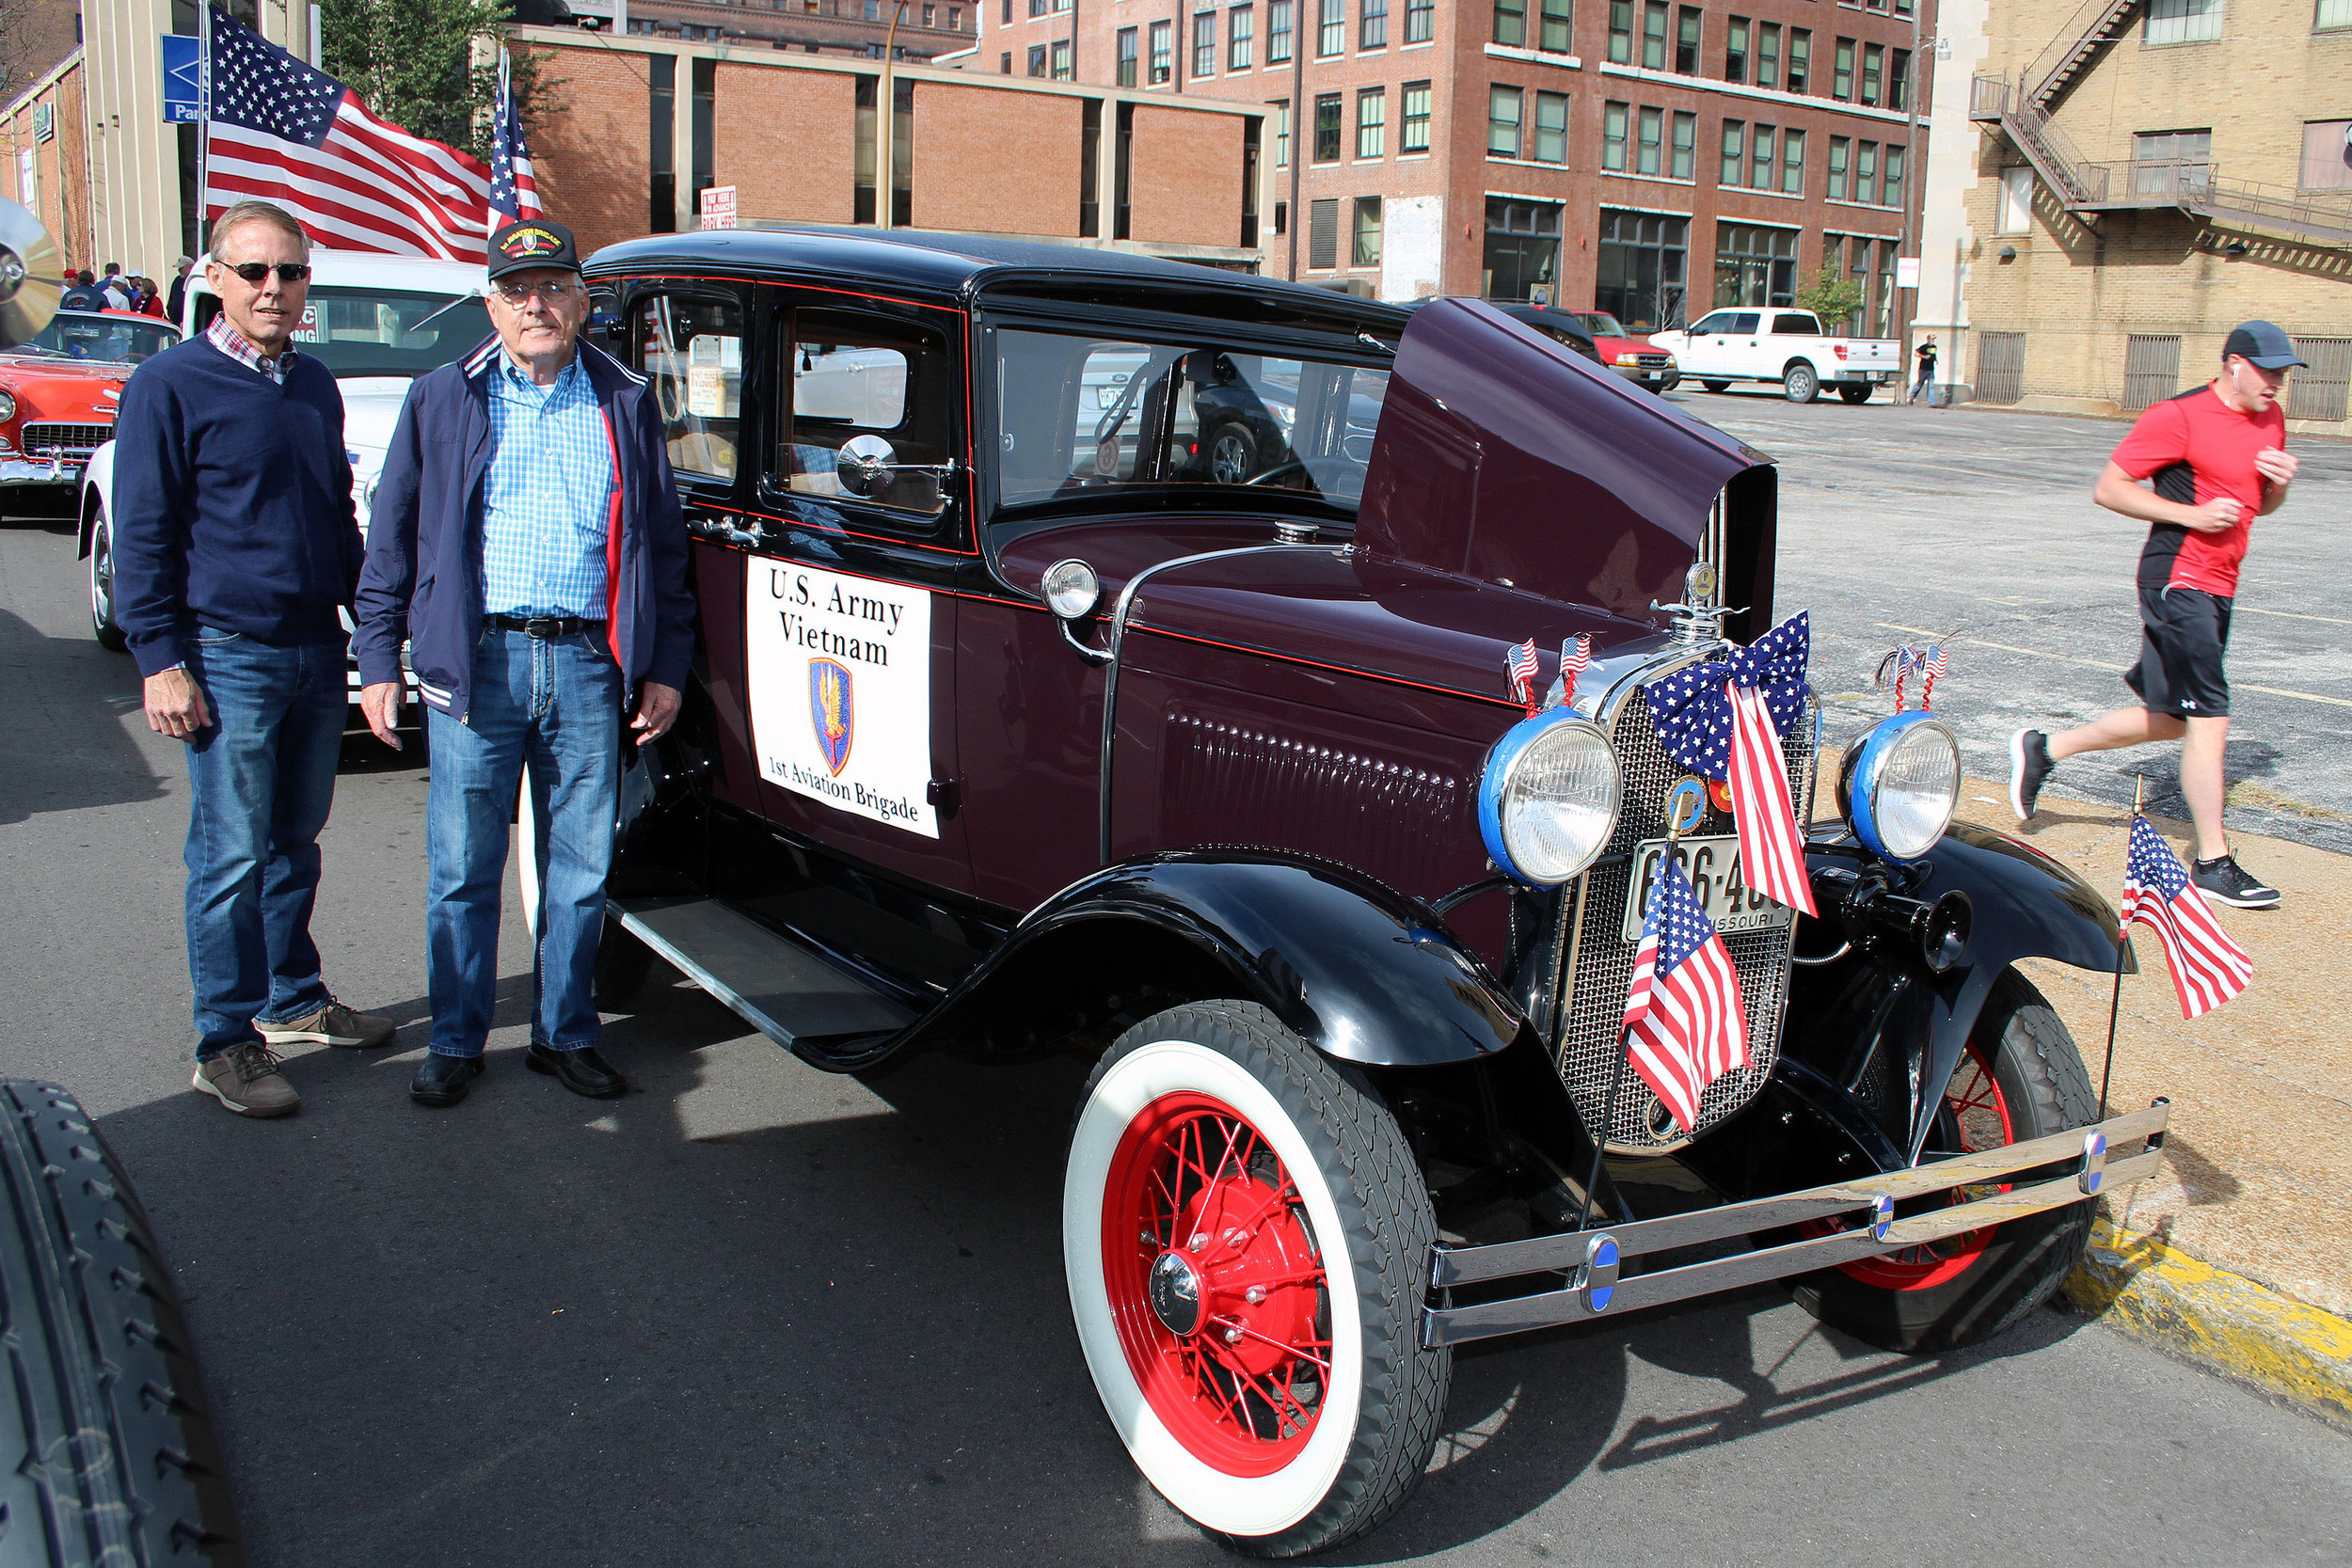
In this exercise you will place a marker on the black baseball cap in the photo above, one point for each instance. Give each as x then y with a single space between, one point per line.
538 243
2261 343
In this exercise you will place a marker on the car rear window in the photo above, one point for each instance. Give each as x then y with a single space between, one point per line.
1797 326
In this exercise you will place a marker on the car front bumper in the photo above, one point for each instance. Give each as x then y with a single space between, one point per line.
18 473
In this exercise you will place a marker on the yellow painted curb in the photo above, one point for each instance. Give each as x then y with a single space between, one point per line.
2218 1320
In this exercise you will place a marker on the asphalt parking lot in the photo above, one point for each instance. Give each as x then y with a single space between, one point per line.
753 1314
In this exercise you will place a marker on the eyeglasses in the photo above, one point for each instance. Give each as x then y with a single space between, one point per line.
518 294
255 272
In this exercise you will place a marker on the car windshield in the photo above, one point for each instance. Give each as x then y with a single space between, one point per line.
357 331
1082 414
1600 323
86 335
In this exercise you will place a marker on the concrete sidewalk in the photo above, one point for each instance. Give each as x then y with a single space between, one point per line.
2232 1256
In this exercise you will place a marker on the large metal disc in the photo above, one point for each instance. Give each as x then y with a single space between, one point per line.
31 268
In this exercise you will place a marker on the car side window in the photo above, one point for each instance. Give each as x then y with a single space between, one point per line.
1719 322
1797 326
690 347
1744 322
870 383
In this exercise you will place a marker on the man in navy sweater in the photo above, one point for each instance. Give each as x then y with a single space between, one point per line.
235 541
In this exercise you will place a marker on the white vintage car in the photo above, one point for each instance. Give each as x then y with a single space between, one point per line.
379 322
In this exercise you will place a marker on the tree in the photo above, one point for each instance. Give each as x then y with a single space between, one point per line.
414 63
1831 296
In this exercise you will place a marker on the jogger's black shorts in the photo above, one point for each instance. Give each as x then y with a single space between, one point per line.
2183 632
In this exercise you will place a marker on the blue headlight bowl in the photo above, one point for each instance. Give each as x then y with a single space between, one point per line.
1499 763
1876 748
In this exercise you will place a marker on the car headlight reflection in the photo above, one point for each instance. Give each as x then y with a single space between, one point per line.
1549 799
7 407
1899 784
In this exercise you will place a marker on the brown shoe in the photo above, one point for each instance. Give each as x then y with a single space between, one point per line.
245 1079
333 1024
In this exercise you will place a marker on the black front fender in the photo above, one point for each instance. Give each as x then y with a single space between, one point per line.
1358 970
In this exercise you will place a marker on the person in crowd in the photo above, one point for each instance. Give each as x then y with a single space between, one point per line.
2218 459
178 298
236 544
526 539
83 293
116 287
1925 386
150 301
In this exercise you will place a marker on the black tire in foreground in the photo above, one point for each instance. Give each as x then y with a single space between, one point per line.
101 589
2021 1078
106 1456
1244 1233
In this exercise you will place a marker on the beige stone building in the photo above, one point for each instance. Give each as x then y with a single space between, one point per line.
2133 179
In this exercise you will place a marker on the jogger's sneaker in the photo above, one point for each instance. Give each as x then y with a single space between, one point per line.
245 1079
333 1024
2226 881
2028 765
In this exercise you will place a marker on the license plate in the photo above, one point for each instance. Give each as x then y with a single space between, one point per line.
1713 866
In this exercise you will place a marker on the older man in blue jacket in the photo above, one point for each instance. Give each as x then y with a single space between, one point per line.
527 542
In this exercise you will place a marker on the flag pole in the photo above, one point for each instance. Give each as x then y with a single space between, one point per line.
203 123
2122 945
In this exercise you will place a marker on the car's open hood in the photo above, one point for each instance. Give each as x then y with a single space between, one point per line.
1503 457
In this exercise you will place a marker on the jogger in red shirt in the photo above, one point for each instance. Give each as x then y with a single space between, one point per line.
2218 459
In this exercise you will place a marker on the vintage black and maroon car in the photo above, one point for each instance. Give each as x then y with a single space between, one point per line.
1009 735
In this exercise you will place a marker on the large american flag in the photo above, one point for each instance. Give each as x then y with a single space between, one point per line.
2207 967
1685 1024
282 131
513 189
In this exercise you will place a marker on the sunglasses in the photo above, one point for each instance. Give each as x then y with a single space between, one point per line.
288 272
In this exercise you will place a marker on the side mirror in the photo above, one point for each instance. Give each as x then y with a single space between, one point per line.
31 268
864 467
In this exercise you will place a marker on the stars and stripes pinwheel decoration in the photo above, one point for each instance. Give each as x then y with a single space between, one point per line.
1724 721
2207 967
1685 1023
1929 663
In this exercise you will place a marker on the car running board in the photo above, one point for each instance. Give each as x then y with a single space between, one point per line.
776 985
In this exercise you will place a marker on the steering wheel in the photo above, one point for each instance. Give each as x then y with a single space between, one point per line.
1323 470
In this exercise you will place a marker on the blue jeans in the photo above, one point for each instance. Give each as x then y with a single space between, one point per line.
554 703
262 779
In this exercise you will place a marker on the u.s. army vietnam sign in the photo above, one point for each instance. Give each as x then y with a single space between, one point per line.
840 683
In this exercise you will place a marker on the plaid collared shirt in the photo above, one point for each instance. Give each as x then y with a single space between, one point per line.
548 502
232 342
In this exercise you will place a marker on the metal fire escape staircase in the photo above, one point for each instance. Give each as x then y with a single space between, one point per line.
2022 108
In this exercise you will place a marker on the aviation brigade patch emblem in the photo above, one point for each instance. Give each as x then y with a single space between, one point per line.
830 710
530 239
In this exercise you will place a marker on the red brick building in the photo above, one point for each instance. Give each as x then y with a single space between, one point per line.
924 28
1651 157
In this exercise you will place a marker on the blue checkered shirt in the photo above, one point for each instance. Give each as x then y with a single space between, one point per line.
548 502
232 342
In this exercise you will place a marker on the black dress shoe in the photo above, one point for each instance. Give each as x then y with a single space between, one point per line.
443 1080
582 1071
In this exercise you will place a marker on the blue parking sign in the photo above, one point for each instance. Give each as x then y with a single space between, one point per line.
184 86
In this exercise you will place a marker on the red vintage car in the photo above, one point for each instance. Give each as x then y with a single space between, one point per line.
59 393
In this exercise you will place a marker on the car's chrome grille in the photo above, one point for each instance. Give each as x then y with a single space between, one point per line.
67 440
1601 961
1656 361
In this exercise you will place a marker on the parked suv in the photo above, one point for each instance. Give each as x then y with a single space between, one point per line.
1009 735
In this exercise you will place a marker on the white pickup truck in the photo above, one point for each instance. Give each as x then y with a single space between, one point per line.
1786 346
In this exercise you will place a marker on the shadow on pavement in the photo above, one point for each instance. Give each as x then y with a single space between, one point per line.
60 758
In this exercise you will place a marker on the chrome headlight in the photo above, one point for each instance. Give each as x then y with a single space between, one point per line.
1549 799
1899 785
7 408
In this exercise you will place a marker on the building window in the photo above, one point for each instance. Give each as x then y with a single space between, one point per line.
1238 23
1755 265
1762 145
1522 247
1322 232
1686 143
1613 118
2327 155
1278 31
2328 15
1367 248
1654 36
1007 17
1650 134
1873 64
2182 22
1735 50
1841 149
1036 59
1004 61
1621 31
661 103
1865 172
1841 77
1687 43
1502 122
1800 58
930 13
2170 162
1282 135
1331 35
1559 21
1735 152
1327 128
1792 162
2317 391
1371 122
1895 160
1037 8
955 19
1421 21
1511 23
1126 56
1282 218
1204 44
1061 59
2015 212
1899 81
1641 260
1551 127
1768 55
1415 137
1374 32
1160 49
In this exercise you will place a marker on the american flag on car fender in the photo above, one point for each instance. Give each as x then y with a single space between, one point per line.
2207 967
1685 1024
282 131
1521 666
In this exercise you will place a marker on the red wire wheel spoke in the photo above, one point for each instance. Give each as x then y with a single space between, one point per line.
1977 1113
1233 1351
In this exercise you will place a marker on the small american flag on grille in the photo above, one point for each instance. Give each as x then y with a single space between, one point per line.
1685 1024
